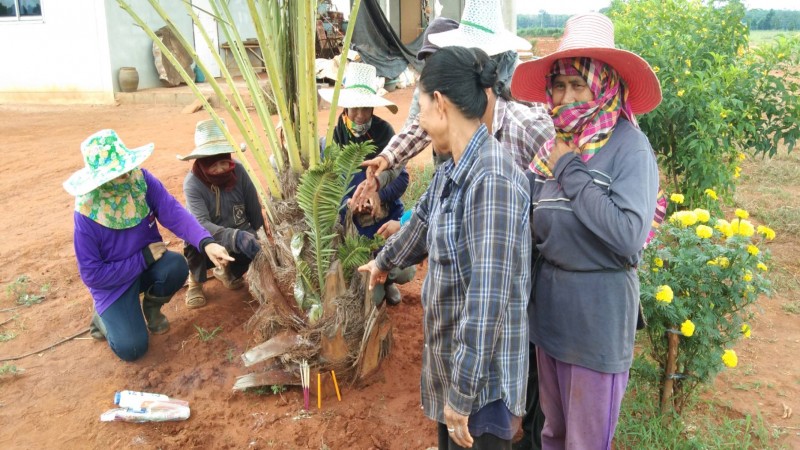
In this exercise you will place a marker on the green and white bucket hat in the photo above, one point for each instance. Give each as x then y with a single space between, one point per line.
209 140
359 90
105 157
481 26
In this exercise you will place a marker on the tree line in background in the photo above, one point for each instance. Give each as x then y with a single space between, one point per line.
545 24
763 19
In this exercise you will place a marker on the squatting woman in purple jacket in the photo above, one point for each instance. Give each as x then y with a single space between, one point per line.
119 249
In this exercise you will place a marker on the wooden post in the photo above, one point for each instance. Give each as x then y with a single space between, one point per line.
672 357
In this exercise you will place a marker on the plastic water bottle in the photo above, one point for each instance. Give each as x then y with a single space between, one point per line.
135 399
146 407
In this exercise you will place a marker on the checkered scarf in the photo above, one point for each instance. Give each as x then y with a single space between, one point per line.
587 124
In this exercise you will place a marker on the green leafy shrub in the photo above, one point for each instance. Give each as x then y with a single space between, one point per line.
699 277
722 100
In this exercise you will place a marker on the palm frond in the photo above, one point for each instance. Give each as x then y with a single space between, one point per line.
320 195
354 252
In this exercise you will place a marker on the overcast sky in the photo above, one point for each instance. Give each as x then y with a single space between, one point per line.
578 6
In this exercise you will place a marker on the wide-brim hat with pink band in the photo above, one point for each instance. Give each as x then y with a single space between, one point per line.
591 35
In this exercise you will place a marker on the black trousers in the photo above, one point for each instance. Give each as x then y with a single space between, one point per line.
486 441
199 263
533 422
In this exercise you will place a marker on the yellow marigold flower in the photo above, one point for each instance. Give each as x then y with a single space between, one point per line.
664 294
748 276
723 114
704 232
724 262
742 227
741 156
687 328
737 172
780 55
740 51
656 69
746 330
710 193
676 198
681 92
767 232
724 227
702 215
729 358
684 218
762 266
688 63
687 72
713 262
752 249
658 262
741 213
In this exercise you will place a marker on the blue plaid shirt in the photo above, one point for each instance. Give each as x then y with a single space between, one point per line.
473 223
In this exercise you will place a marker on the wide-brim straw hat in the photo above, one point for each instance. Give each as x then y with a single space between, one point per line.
359 90
481 26
209 140
591 35
105 157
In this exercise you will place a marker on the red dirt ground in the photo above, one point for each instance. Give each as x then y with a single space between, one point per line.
56 402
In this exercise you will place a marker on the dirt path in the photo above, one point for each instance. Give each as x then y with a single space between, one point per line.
57 401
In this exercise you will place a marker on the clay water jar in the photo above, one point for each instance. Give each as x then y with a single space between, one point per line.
128 79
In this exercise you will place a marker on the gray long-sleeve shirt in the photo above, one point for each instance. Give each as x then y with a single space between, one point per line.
223 213
590 223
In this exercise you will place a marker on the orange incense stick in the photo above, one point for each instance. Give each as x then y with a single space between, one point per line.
319 391
336 385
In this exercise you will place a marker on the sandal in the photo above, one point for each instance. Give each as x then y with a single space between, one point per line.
194 296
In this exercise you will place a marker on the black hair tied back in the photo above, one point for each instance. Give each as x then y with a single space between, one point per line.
462 75
488 74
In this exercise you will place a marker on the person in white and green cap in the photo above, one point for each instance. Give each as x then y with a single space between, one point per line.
222 197
358 124
119 249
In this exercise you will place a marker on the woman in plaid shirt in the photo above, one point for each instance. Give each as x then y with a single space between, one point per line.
472 222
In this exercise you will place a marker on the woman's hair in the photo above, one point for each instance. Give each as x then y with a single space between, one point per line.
462 75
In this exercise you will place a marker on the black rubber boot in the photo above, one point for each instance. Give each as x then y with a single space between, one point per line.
393 296
157 322
97 329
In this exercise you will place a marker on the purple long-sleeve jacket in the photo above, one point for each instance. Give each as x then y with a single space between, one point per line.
109 261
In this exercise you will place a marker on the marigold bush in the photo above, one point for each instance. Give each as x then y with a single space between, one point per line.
699 277
722 100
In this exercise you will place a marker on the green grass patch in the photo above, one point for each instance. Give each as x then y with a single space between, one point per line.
792 307
419 180
24 293
9 369
704 424
206 335
760 37
7 336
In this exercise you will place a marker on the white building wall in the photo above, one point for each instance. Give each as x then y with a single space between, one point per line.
130 46
63 58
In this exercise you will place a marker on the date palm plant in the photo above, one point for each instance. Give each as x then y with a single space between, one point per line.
308 308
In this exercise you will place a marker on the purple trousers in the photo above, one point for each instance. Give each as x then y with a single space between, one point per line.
580 405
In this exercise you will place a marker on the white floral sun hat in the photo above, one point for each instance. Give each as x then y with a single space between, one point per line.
105 157
209 140
481 26
359 90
